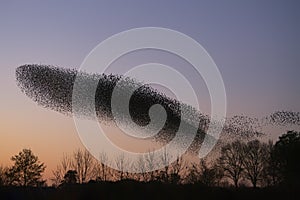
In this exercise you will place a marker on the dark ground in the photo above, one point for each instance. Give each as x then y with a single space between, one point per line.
136 190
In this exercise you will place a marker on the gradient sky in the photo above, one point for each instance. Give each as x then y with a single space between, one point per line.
255 44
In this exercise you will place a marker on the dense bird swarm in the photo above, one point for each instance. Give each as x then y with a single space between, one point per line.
52 87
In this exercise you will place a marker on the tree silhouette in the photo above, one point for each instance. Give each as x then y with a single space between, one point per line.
164 173
254 162
175 170
70 177
3 177
103 170
272 174
209 176
194 173
27 169
121 163
286 155
231 161
83 162
61 169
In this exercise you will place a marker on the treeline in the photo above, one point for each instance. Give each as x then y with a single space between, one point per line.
253 163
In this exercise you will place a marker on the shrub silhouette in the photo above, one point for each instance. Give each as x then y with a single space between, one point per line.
70 177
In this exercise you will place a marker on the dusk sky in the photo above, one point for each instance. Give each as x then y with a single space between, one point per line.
255 44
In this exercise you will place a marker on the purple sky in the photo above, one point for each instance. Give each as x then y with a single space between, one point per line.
255 44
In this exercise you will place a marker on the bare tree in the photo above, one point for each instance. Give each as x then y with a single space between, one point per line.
142 176
150 164
231 161
101 171
66 164
83 163
121 164
164 174
254 162
203 172
62 168
56 177
104 169
209 175
80 161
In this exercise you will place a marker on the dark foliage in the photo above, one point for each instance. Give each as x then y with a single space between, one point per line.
286 158
70 177
26 171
